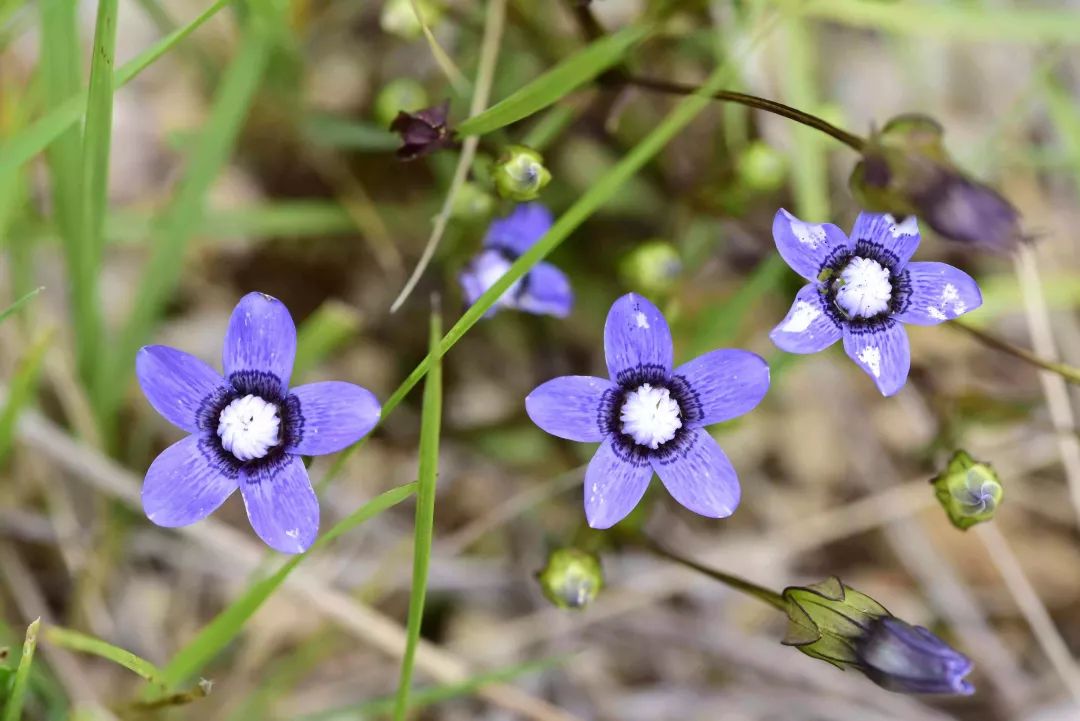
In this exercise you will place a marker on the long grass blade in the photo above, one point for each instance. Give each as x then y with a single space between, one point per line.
21 391
430 423
14 307
13 710
228 624
81 642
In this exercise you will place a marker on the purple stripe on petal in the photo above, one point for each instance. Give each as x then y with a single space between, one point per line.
281 504
698 474
186 483
724 384
570 407
613 485
895 241
636 335
881 349
330 416
937 292
808 326
179 386
547 292
806 247
261 338
520 230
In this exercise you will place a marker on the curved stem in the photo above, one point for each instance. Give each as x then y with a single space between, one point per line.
1068 372
761 593
853 141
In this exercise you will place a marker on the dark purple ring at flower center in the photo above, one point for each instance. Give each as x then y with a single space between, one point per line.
831 268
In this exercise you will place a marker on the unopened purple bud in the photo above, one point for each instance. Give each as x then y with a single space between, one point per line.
423 132
910 659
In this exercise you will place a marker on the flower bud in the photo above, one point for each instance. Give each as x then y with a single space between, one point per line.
968 490
761 167
653 267
423 132
835 623
400 94
472 202
572 578
905 170
520 174
399 18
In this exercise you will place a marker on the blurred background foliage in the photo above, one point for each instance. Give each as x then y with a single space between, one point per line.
250 151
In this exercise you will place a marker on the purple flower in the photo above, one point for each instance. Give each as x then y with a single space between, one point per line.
545 290
910 659
862 289
247 429
649 417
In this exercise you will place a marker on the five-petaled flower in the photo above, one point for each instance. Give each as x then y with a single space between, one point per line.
545 290
248 429
651 417
862 289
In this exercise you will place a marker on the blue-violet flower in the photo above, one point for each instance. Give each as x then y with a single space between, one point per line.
248 429
650 417
545 290
863 288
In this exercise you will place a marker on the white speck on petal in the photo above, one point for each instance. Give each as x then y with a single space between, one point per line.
807 233
801 318
871 356
642 321
293 533
910 226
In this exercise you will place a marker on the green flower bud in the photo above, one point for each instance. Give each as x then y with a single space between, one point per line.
472 201
399 18
399 95
520 174
572 578
761 167
826 620
652 267
969 491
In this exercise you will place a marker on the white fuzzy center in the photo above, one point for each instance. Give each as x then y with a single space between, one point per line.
650 416
863 289
249 427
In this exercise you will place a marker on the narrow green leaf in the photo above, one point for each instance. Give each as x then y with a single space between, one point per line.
228 624
66 112
21 391
76 641
13 710
325 330
329 131
231 104
430 422
19 303
569 75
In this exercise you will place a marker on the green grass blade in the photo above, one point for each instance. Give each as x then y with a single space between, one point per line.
14 307
13 710
430 422
325 330
329 131
564 78
97 139
66 112
228 624
231 104
21 391
81 642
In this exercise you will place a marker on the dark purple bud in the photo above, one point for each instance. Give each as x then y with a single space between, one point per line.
967 211
910 659
423 132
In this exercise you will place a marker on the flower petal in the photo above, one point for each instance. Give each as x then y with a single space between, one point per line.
636 336
260 346
723 384
520 230
698 474
546 291
886 239
571 407
881 349
481 273
936 292
808 327
281 504
614 483
329 416
807 247
179 386
187 482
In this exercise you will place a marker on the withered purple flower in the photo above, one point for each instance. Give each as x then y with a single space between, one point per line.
863 289
651 417
423 132
248 429
545 290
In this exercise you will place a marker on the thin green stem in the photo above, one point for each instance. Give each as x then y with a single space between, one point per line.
1068 372
761 593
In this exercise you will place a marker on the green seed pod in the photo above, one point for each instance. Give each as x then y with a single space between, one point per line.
652 267
761 167
472 202
572 578
826 620
399 18
519 173
399 95
969 491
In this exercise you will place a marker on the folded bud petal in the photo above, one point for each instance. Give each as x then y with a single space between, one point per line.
572 578
968 490
520 174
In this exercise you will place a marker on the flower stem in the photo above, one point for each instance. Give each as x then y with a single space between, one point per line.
739 584
1068 372
853 141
